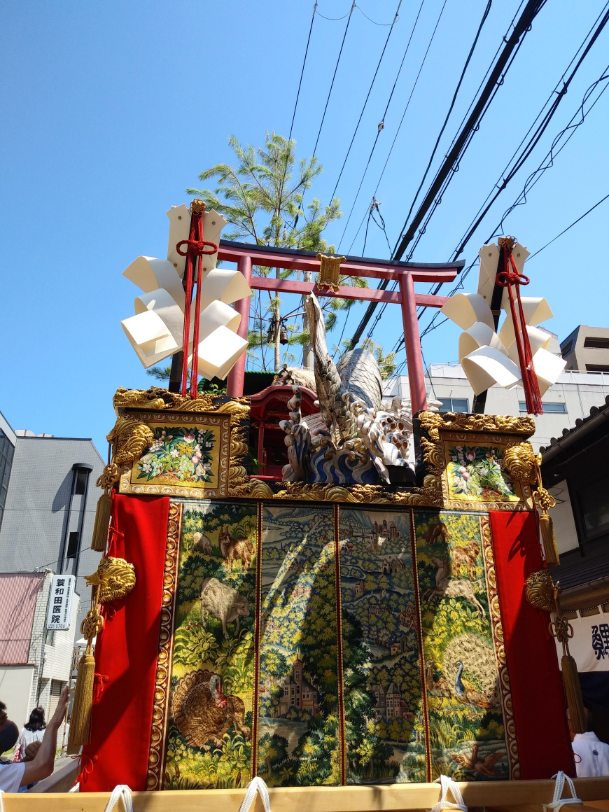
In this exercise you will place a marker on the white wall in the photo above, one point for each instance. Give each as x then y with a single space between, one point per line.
578 391
562 518
15 691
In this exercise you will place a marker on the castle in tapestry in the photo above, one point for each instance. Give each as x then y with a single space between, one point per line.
298 691
390 704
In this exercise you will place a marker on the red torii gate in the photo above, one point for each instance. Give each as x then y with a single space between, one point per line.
405 273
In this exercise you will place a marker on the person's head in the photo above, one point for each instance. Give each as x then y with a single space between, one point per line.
9 733
36 720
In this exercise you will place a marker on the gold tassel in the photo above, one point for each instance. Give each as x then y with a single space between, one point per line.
548 537
102 520
80 722
573 690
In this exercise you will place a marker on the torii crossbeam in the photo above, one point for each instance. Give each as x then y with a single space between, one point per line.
405 273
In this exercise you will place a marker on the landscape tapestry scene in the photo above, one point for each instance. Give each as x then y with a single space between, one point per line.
299 714
466 725
385 731
209 736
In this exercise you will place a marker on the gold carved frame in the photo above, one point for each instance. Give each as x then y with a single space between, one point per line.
497 431
201 420
131 435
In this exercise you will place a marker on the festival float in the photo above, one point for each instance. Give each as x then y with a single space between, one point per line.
373 619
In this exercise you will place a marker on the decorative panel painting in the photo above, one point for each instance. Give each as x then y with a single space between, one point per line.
189 456
210 709
299 711
384 727
471 731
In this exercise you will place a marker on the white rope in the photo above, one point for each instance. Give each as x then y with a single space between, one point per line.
557 801
120 791
448 784
254 786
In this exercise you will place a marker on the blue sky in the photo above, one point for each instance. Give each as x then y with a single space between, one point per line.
111 109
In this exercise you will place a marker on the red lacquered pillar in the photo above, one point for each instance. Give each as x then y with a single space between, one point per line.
236 376
414 357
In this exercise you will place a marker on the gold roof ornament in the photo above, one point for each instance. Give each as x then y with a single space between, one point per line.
329 271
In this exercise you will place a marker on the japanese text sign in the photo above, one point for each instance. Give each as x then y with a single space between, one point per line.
60 602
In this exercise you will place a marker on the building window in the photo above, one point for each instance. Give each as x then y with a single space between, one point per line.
548 408
80 486
454 405
72 544
596 343
566 349
7 451
594 506
597 367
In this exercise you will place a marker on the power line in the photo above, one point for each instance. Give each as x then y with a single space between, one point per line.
383 119
564 231
451 161
333 78
526 150
567 133
508 174
546 163
452 104
460 125
383 284
304 62
340 174
372 306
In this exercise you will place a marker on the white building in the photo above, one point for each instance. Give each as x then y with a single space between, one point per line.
570 399
35 663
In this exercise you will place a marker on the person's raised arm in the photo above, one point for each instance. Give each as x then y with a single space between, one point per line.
42 764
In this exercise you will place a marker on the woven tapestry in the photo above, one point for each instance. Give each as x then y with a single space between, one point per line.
313 645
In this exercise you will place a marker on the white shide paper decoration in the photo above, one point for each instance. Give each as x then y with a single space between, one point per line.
488 358
157 329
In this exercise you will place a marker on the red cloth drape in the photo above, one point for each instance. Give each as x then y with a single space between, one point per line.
127 649
539 707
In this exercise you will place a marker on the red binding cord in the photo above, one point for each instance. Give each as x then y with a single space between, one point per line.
195 249
511 279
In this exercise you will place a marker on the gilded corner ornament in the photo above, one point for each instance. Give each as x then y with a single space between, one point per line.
539 591
521 463
113 579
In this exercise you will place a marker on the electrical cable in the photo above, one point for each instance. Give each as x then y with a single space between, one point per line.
459 128
304 62
372 307
506 168
340 174
383 119
535 176
452 104
546 163
568 228
535 137
333 78
327 101
450 163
